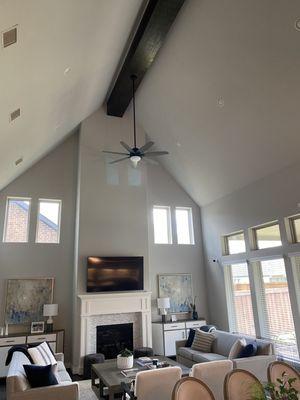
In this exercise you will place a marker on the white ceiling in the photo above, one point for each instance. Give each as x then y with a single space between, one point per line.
87 36
248 54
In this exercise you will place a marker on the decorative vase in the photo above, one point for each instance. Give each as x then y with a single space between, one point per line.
124 362
195 315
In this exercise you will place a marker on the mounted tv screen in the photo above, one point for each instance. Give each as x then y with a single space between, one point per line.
115 274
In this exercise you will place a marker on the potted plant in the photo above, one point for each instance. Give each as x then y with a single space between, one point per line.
282 390
125 359
193 309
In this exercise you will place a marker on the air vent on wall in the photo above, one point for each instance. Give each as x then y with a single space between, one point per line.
18 161
14 115
9 37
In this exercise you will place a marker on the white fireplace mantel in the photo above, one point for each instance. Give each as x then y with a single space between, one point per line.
92 305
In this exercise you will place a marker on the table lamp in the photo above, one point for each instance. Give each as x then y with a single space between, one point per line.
50 310
163 303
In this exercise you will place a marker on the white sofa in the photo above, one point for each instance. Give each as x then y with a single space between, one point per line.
221 347
18 388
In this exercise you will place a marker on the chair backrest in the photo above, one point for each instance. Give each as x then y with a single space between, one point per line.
156 383
213 374
240 384
190 388
276 370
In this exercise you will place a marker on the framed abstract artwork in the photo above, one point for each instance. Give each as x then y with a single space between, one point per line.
179 288
25 299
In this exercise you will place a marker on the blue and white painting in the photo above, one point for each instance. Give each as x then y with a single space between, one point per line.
25 299
179 288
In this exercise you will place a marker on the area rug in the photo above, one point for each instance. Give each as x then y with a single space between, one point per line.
85 390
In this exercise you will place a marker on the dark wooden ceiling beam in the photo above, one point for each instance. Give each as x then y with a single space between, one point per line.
148 39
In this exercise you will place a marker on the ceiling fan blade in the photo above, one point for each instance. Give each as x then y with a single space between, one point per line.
120 159
146 146
126 146
114 152
156 153
150 161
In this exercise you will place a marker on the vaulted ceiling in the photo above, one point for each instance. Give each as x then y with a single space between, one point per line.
58 72
222 96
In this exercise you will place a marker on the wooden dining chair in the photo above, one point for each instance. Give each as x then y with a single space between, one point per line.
190 388
240 384
276 370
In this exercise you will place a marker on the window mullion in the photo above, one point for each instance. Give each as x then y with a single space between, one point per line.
230 298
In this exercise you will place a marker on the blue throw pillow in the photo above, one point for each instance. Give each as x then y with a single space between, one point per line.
39 375
248 351
190 339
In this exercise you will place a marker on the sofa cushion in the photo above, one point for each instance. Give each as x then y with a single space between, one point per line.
248 351
236 348
63 376
224 342
42 354
40 375
204 357
203 341
187 352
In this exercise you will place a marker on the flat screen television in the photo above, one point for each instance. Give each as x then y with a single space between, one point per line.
115 274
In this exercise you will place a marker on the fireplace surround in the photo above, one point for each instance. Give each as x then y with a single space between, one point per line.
109 309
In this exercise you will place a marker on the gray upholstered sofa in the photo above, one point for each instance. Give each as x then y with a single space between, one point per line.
221 347
18 388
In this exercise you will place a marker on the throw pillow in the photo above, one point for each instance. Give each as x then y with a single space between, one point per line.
236 348
248 351
190 339
42 355
264 350
203 341
40 375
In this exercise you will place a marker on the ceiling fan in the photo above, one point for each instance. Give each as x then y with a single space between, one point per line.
136 154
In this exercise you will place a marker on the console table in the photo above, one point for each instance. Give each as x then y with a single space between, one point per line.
165 335
55 340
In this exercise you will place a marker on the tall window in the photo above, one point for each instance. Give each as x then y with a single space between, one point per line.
48 223
17 220
162 225
239 299
267 236
234 243
184 225
276 311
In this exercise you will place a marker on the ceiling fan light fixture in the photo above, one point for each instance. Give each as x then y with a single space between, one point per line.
135 160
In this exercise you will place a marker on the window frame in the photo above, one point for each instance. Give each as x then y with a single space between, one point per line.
225 245
169 224
59 220
8 199
290 228
190 224
253 235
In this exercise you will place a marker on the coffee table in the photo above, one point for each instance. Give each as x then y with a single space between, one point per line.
109 376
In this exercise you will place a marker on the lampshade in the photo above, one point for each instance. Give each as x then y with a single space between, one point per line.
163 302
50 310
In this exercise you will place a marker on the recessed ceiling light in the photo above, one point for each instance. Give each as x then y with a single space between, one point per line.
18 161
221 102
67 70
297 24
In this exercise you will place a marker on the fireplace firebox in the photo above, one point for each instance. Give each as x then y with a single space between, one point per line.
112 339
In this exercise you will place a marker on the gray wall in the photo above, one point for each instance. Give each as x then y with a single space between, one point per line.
53 177
274 197
162 189
115 206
